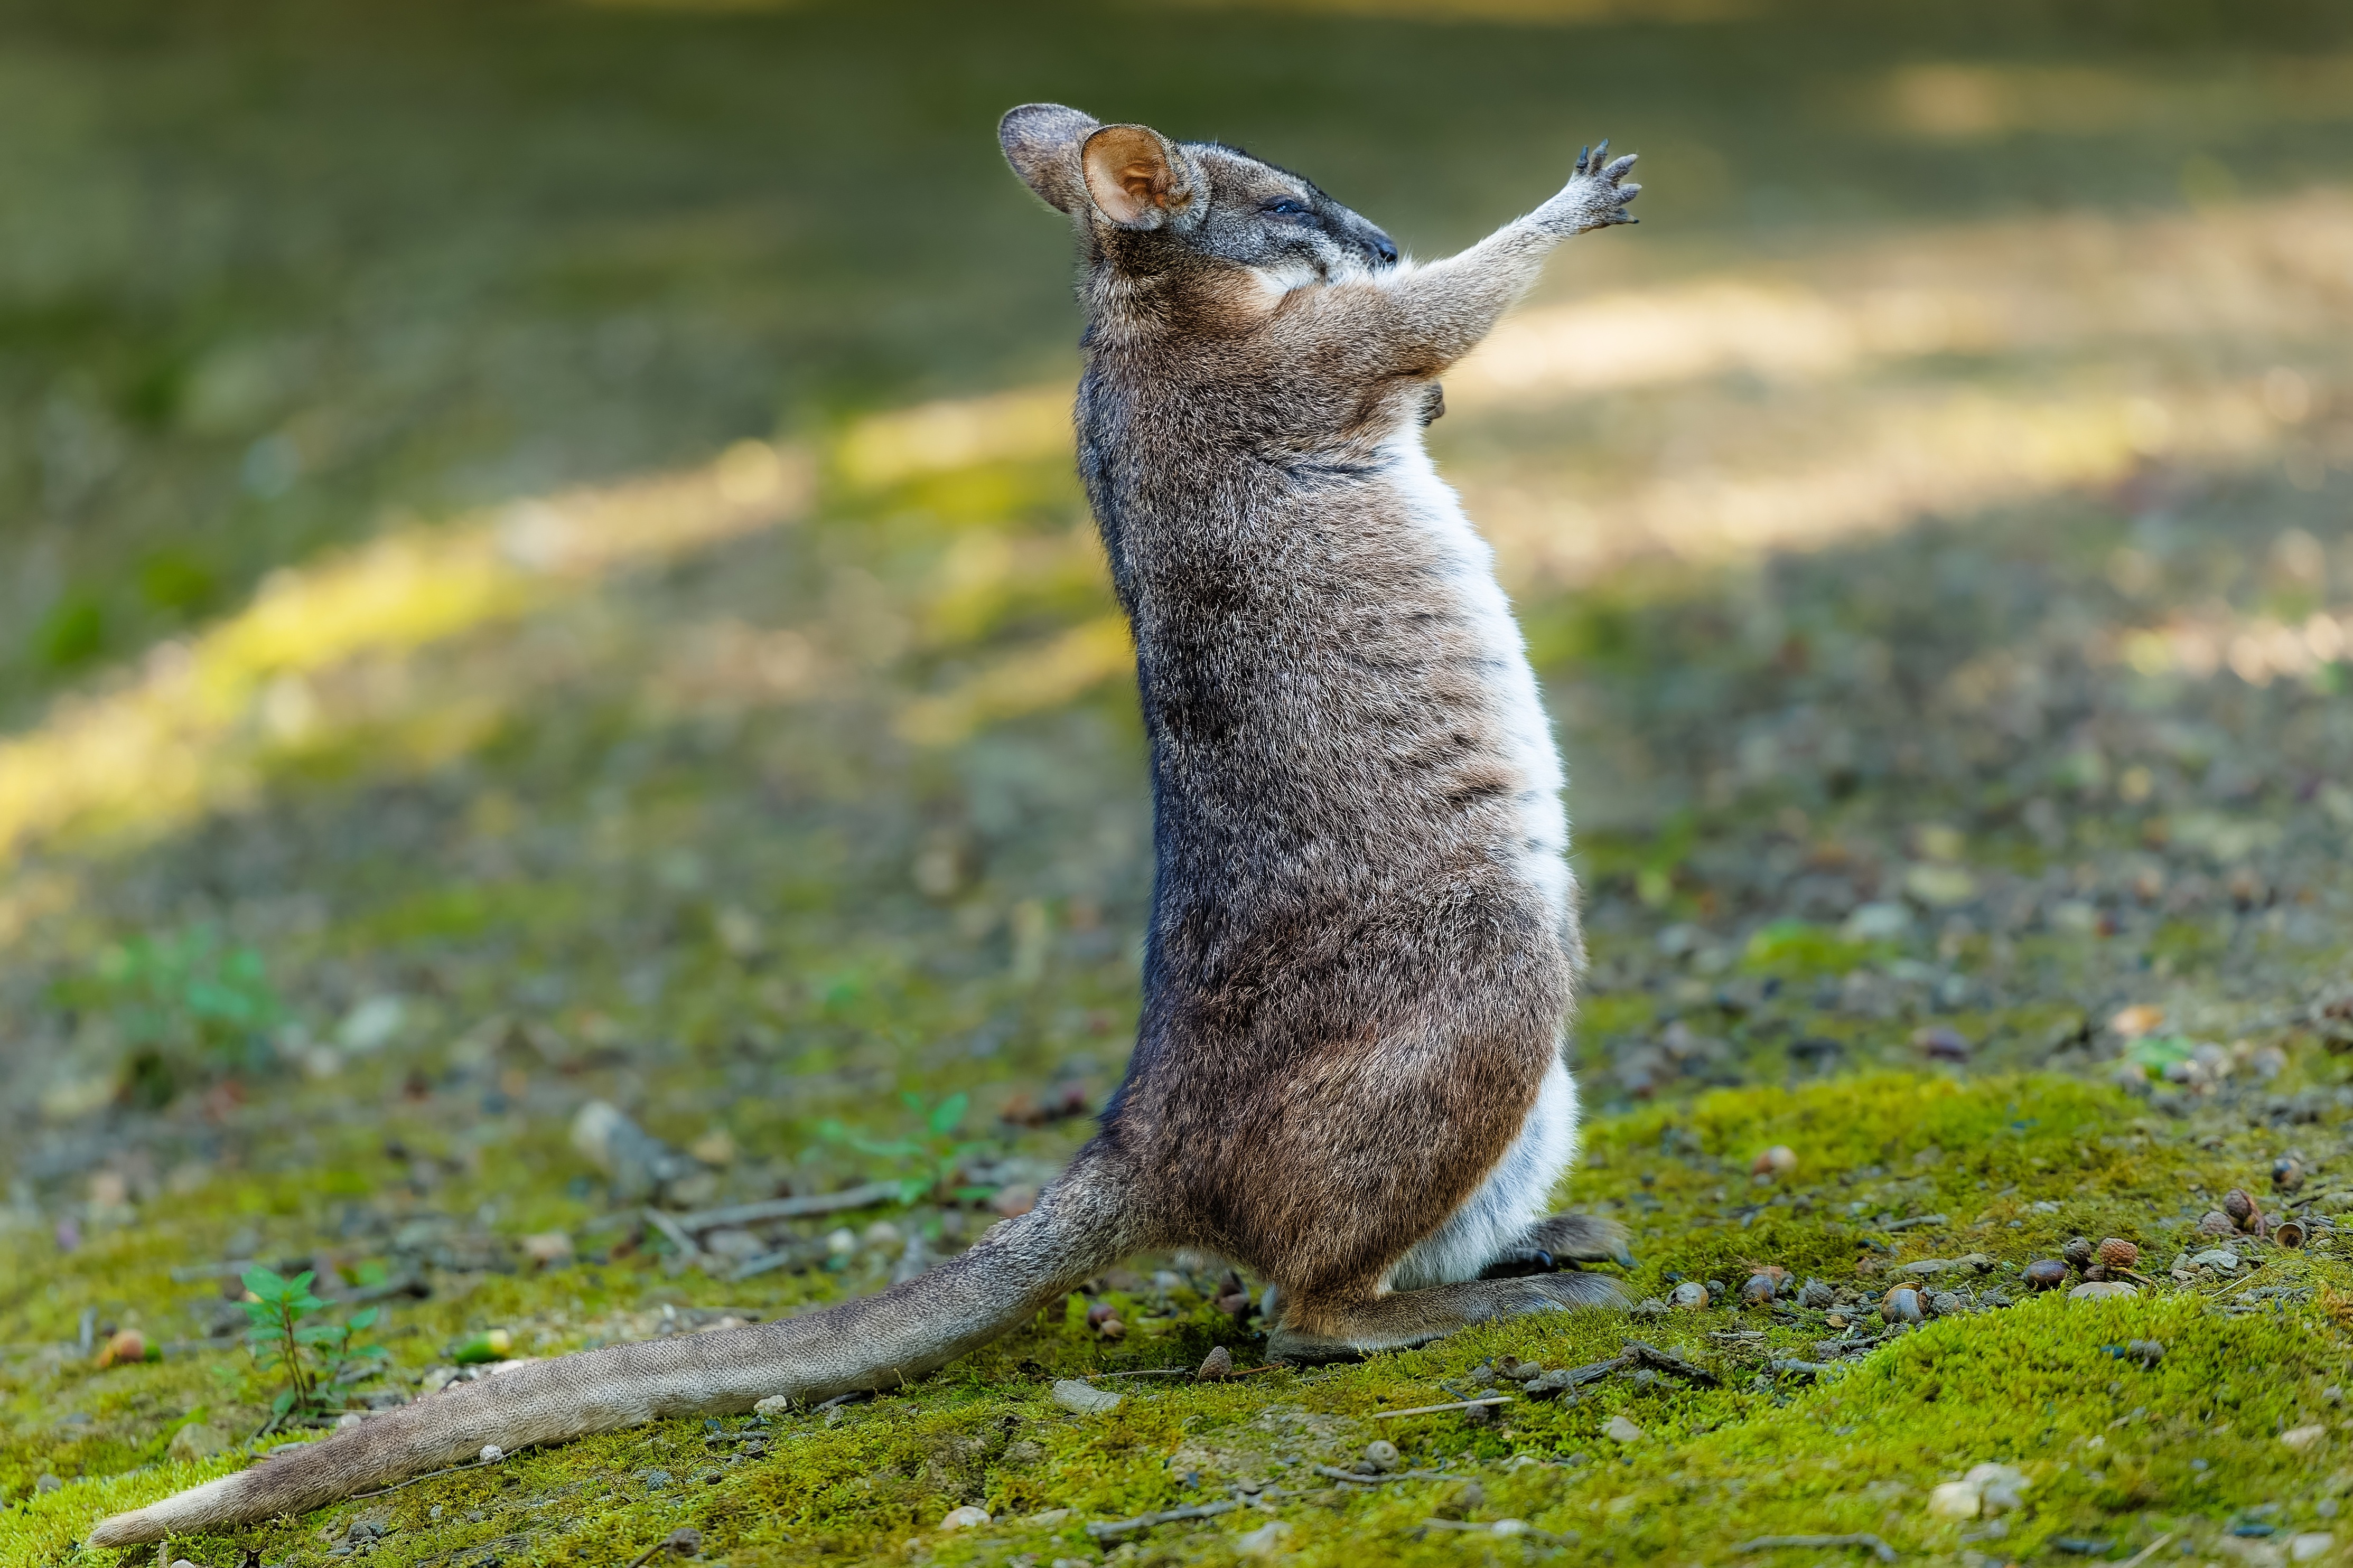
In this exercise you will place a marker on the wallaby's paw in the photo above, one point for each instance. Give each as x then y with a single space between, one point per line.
1594 196
1580 1238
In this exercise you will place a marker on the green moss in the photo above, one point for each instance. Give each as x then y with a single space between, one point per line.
2113 1449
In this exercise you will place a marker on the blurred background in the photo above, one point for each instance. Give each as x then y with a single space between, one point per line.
539 561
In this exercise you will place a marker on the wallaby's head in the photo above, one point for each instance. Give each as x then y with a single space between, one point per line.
1150 204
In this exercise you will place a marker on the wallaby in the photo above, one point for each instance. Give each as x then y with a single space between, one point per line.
1347 1075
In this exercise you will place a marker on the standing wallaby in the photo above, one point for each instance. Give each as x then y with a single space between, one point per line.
1348 1075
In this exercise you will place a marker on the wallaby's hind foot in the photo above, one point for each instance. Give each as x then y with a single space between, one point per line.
1580 1238
1408 1318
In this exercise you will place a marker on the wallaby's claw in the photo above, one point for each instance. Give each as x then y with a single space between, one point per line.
1596 199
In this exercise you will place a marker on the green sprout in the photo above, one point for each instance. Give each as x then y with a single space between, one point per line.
186 1004
316 1359
929 1162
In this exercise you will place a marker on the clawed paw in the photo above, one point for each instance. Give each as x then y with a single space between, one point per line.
1595 193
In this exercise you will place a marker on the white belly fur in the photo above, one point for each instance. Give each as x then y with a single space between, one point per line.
1518 1191
1516 1195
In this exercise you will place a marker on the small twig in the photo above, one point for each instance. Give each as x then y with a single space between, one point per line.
1505 1526
1374 1480
2146 1552
1112 1530
682 1543
867 1196
1886 1553
852 1397
1150 1372
446 1470
673 1230
1667 1360
1434 1409
1908 1224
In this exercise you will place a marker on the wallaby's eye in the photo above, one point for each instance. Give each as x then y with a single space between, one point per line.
1285 206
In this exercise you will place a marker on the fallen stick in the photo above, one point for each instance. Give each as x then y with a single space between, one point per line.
1112 1530
1667 1360
867 1196
672 1229
1505 1526
1375 1480
1434 1409
1885 1553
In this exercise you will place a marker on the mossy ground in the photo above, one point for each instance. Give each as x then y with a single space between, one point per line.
2116 1450
1946 604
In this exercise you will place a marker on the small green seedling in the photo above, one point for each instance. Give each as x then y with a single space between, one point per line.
316 1359
930 1162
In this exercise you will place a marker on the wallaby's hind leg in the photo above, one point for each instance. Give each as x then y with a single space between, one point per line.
1405 1318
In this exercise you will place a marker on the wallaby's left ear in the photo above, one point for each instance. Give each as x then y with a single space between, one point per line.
1138 178
1041 141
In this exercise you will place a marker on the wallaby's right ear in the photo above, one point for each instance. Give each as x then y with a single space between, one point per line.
1041 141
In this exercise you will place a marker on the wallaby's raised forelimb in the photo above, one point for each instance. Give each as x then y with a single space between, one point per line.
1364 940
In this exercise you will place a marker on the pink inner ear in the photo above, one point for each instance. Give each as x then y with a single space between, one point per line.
1128 173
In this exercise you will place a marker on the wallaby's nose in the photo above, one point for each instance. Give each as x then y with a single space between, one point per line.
1385 250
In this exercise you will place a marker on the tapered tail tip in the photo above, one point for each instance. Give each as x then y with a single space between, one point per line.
214 1502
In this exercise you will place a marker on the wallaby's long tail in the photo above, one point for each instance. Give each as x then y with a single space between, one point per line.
1081 1225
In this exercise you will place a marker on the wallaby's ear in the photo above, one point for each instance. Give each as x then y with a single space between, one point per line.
1041 141
1137 177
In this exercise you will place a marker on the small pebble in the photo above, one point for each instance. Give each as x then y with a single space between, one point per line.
1691 1296
2242 1208
1779 1160
2214 1222
2046 1274
1622 1430
492 1453
1815 1295
2287 1173
2149 1352
965 1518
1946 1304
1901 1305
683 1541
1941 1043
2115 1252
2103 1291
1083 1399
1382 1454
1954 1499
2312 1544
1760 1288
2302 1437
